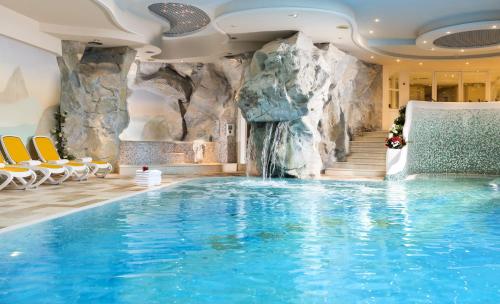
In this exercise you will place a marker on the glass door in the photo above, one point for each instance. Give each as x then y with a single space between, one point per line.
447 86
474 84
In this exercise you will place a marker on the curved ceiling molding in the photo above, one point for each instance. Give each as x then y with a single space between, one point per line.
132 23
376 31
468 39
323 21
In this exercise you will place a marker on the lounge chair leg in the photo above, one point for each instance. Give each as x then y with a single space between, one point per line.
45 177
8 180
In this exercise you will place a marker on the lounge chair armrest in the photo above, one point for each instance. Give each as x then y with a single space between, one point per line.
31 163
85 160
59 162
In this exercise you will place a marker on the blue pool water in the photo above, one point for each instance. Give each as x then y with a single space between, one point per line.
237 240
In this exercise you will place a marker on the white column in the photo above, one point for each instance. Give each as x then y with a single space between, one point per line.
241 139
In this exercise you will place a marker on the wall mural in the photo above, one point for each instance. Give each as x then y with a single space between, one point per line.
29 89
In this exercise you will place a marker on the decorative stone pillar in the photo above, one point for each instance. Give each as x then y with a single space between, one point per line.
94 98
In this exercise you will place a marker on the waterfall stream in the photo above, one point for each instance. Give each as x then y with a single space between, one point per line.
274 150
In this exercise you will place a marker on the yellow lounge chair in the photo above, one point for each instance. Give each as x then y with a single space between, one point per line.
17 154
48 153
19 178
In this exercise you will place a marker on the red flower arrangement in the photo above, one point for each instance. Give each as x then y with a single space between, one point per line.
395 142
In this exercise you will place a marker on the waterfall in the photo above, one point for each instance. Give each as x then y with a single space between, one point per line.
272 138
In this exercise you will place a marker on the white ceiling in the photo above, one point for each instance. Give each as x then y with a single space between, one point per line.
401 25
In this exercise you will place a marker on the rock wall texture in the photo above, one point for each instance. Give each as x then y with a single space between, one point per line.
304 102
197 102
94 96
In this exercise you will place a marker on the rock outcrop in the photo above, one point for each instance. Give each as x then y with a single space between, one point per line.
304 102
197 99
94 98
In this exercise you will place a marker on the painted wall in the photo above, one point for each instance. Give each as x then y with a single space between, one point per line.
29 89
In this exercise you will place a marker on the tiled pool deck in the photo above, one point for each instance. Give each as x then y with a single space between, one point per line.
21 207
18 207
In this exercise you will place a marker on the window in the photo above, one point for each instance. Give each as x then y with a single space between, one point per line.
447 84
474 86
394 91
421 86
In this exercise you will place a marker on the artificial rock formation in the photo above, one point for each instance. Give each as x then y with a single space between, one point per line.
200 99
94 98
304 102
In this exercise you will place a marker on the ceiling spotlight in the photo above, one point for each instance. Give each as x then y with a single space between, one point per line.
370 31
377 20
372 57
448 33
494 27
462 50
467 63
425 41
420 63
398 60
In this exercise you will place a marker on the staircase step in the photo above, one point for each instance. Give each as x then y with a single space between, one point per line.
367 161
368 144
358 166
369 150
336 172
366 156
375 134
373 139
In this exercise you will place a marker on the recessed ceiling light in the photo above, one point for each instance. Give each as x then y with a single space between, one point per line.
398 60
295 15
372 57
377 20
420 63
494 27
150 52
462 50
467 63
425 41
448 33
370 31
433 49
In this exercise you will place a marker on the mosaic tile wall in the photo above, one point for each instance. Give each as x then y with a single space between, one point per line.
140 153
461 141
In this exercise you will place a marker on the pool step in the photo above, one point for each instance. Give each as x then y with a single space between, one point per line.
366 160
184 169
341 173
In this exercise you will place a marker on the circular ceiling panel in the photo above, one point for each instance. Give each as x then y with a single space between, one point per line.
183 18
470 39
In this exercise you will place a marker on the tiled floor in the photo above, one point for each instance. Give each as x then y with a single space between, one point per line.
17 207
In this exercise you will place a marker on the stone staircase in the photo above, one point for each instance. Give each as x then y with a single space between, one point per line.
367 158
